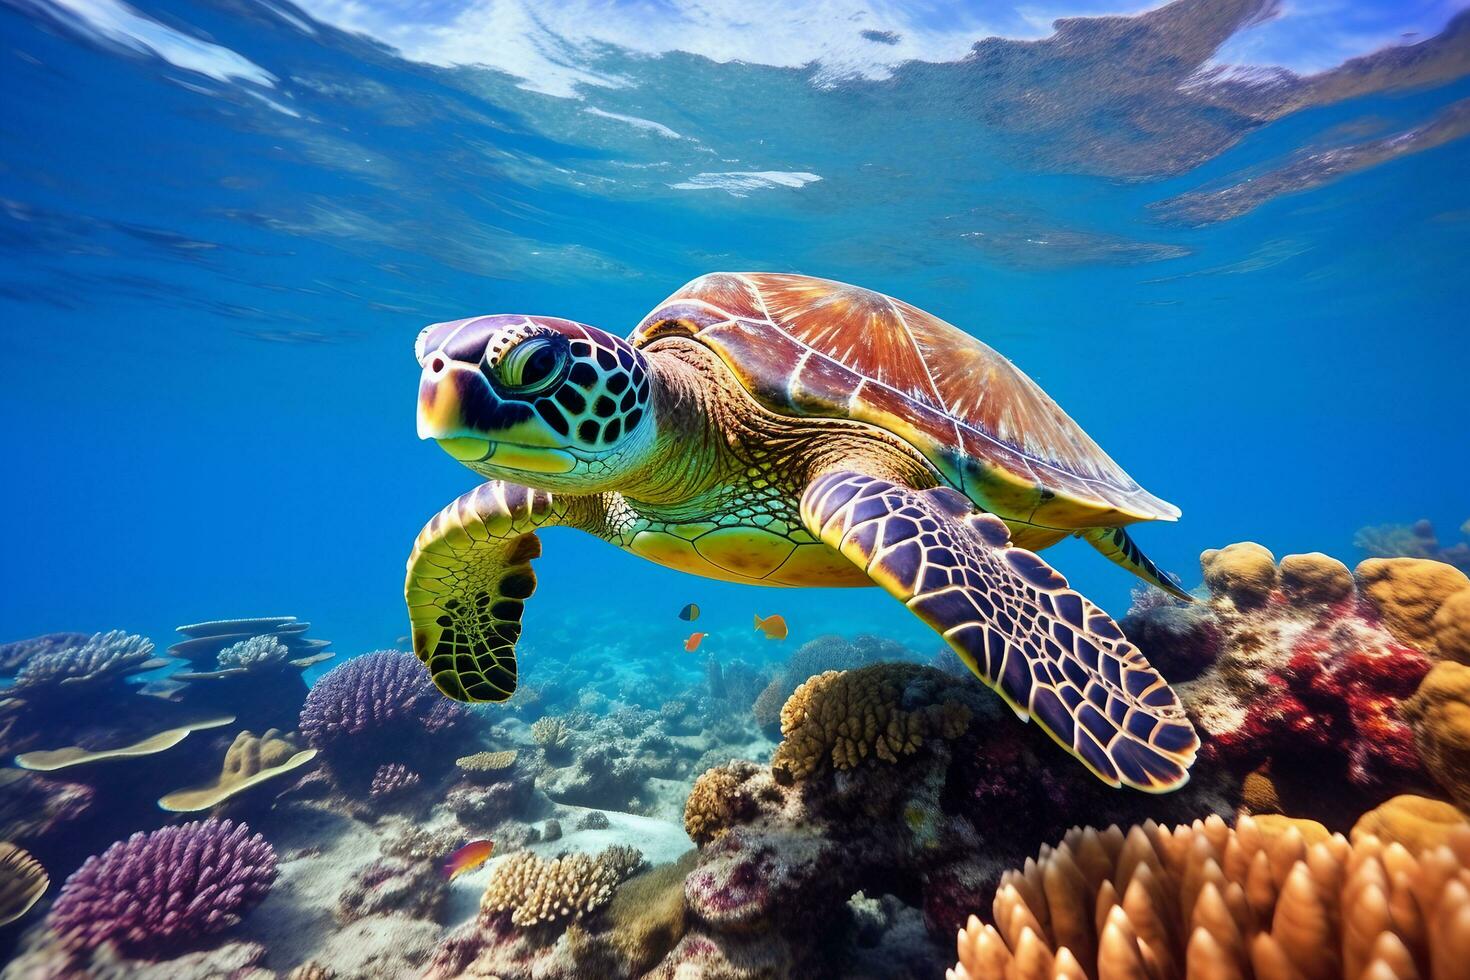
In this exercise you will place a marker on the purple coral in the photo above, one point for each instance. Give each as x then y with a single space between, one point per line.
393 779
154 892
101 658
374 692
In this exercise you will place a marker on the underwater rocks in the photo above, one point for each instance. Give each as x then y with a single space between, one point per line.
157 893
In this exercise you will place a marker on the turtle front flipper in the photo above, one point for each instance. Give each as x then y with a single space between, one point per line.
1052 654
468 579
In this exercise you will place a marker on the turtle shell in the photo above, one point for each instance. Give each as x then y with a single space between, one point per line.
812 347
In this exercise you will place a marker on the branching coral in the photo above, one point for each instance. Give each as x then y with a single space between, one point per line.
371 693
551 733
103 658
539 892
1417 540
392 780
1209 901
15 654
256 652
840 718
155 892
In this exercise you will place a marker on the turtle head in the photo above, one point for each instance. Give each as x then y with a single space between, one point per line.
534 400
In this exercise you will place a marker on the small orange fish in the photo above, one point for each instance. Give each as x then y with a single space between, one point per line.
773 626
692 644
468 858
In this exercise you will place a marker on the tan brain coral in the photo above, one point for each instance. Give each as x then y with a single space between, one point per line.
841 718
1416 822
1208 901
1451 628
1315 579
1244 572
566 888
1408 593
1439 714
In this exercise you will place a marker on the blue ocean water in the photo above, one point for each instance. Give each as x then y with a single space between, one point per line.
223 224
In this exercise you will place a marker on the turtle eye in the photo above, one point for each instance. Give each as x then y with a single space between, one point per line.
534 365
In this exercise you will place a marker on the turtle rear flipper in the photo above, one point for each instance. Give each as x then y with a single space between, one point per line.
468 579
1012 619
1118 547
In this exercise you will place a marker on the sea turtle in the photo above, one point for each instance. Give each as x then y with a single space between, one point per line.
792 431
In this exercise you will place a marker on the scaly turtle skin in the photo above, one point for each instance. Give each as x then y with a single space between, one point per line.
790 431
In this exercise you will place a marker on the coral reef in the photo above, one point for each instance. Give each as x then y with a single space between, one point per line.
158 892
839 718
35 807
249 761
1208 900
1297 673
1408 592
93 669
1417 540
482 806
255 665
50 760
393 885
539 892
376 709
22 882
15 653
1414 822
1439 714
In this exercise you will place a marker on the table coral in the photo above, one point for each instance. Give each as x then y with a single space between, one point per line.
163 890
1210 901
249 761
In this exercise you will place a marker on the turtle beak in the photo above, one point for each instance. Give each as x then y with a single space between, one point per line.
458 410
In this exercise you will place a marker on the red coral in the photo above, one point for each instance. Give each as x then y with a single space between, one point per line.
1328 700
